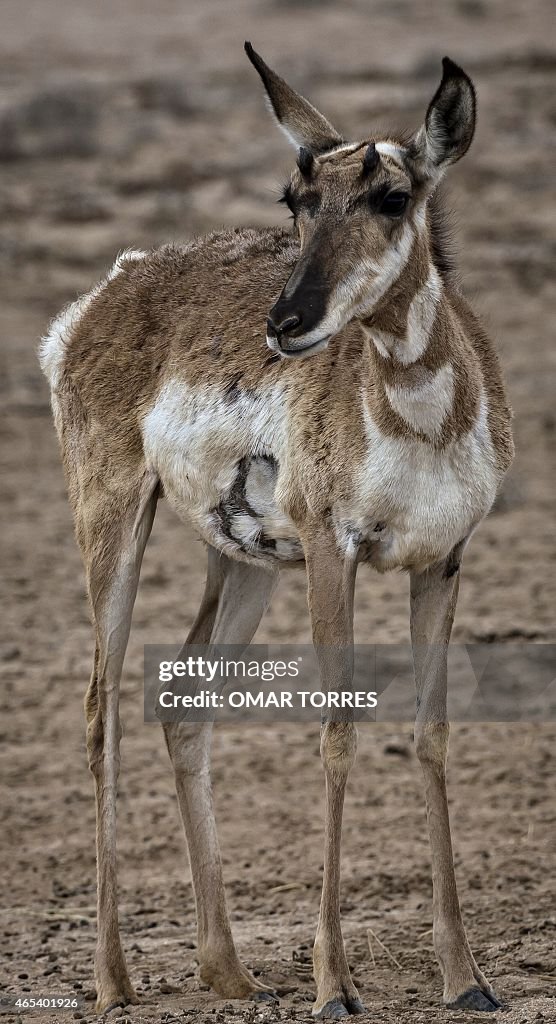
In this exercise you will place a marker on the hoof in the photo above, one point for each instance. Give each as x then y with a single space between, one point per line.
334 1009
104 1008
356 1006
265 997
475 999
118 1005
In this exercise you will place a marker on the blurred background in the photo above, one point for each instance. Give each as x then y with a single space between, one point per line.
130 123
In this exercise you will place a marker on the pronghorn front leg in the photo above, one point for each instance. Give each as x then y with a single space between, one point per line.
236 597
331 581
433 602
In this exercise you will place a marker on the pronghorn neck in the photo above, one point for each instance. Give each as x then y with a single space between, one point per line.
418 370
402 325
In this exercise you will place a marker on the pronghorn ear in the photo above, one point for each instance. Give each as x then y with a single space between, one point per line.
450 122
300 121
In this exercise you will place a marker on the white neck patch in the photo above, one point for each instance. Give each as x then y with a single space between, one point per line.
420 320
426 406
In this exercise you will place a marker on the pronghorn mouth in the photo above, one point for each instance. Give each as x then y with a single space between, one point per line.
302 351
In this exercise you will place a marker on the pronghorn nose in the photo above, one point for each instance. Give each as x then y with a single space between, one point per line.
286 326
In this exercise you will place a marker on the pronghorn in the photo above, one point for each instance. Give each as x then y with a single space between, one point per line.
386 446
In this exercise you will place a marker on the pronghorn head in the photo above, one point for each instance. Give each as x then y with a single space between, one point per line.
359 208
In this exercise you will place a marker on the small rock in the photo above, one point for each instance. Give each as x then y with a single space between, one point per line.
397 749
10 652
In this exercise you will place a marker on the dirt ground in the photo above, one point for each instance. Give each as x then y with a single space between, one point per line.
135 123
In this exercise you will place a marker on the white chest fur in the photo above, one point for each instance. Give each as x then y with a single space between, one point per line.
426 499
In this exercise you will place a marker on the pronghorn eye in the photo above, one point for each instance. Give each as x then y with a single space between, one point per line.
394 204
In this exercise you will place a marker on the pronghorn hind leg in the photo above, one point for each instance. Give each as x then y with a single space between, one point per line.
236 596
113 531
433 602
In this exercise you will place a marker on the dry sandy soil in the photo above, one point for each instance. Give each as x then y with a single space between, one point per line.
133 123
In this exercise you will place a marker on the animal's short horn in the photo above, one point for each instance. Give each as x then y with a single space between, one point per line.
371 159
